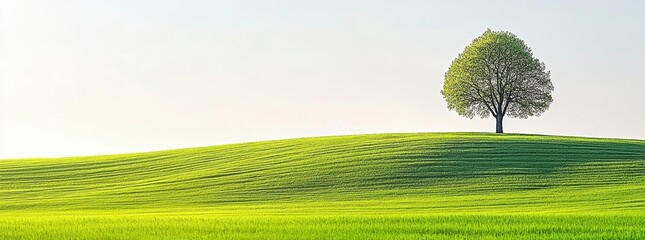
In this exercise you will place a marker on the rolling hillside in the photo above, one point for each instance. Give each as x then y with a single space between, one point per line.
429 172
381 186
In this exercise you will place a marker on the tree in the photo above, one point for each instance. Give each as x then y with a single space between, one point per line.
497 75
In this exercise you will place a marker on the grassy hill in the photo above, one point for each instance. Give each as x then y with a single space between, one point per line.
430 179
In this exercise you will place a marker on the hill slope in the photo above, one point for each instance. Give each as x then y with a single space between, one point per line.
430 172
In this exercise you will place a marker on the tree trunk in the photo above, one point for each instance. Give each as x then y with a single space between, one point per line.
499 124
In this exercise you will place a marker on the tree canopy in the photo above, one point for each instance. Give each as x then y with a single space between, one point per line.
497 75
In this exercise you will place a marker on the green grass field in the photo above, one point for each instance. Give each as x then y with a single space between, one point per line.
380 186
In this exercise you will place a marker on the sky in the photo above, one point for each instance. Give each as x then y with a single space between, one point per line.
100 77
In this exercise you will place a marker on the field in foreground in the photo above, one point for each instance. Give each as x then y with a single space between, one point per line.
381 186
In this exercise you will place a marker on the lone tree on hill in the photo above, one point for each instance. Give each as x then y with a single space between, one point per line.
497 75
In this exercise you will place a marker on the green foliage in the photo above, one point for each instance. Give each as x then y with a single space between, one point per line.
394 186
497 75
345 226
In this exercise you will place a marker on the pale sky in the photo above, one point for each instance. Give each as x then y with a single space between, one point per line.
99 77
